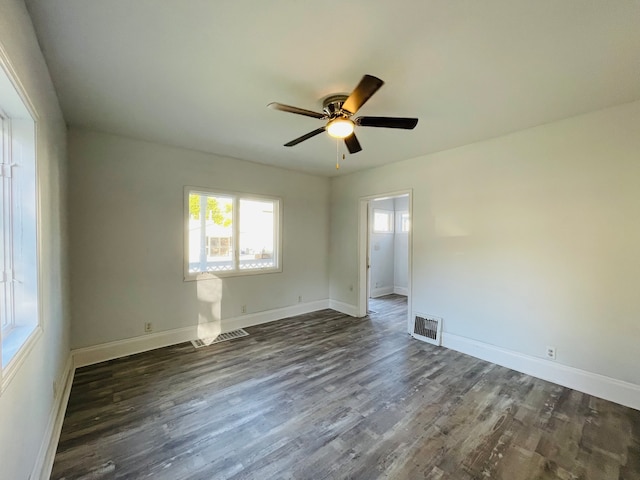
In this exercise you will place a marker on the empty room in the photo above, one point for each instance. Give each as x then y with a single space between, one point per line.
320 240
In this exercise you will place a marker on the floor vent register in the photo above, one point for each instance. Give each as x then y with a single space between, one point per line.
223 337
427 328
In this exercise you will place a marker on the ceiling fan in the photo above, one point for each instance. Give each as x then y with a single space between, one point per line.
339 109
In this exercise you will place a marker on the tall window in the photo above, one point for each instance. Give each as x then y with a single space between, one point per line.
230 234
7 317
19 314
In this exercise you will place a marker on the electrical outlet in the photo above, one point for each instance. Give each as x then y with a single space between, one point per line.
551 352
299 298
243 309
148 327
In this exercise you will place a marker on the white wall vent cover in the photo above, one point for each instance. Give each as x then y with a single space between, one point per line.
427 328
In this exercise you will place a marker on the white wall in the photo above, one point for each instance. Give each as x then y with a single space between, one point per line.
522 241
126 235
27 404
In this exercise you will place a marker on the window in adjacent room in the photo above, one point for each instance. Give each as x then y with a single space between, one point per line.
231 234
382 221
405 222
19 311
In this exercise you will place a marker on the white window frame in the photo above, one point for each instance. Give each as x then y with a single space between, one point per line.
19 161
390 220
236 198
7 284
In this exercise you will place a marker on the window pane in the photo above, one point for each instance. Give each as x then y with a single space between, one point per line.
382 221
18 245
210 233
231 235
6 310
406 222
257 234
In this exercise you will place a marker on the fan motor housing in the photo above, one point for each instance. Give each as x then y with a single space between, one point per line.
332 105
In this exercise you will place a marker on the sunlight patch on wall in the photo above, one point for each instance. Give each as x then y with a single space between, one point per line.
210 305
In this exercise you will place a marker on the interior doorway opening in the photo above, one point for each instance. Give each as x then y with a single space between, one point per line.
385 246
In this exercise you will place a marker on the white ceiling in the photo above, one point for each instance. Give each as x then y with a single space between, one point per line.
199 73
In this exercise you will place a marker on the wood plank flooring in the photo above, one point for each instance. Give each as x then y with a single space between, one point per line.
326 396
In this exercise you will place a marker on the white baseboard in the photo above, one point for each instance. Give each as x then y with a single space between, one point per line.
130 346
345 308
381 291
44 462
401 290
617 391
267 316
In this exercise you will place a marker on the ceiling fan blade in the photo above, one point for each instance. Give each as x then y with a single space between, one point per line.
352 143
387 122
300 111
363 92
305 137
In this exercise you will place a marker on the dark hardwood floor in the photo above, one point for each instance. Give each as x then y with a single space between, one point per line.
324 396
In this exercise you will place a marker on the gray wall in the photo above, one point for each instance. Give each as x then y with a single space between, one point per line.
522 241
27 403
127 223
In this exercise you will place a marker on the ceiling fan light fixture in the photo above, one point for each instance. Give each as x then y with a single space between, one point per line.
339 108
340 127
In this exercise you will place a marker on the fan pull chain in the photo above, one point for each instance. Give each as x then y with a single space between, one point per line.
338 154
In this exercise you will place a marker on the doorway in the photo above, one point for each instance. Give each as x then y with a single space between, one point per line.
385 250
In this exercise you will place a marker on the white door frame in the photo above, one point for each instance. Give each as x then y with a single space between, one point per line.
363 250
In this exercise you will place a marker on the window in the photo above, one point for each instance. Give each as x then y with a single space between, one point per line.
382 221
230 234
405 222
19 313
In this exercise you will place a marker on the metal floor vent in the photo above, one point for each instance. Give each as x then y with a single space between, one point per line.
205 342
428 328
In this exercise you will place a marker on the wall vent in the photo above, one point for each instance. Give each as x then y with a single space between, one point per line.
205 342
427 328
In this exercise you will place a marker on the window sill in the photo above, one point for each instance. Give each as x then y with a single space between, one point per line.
237 273
25 338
